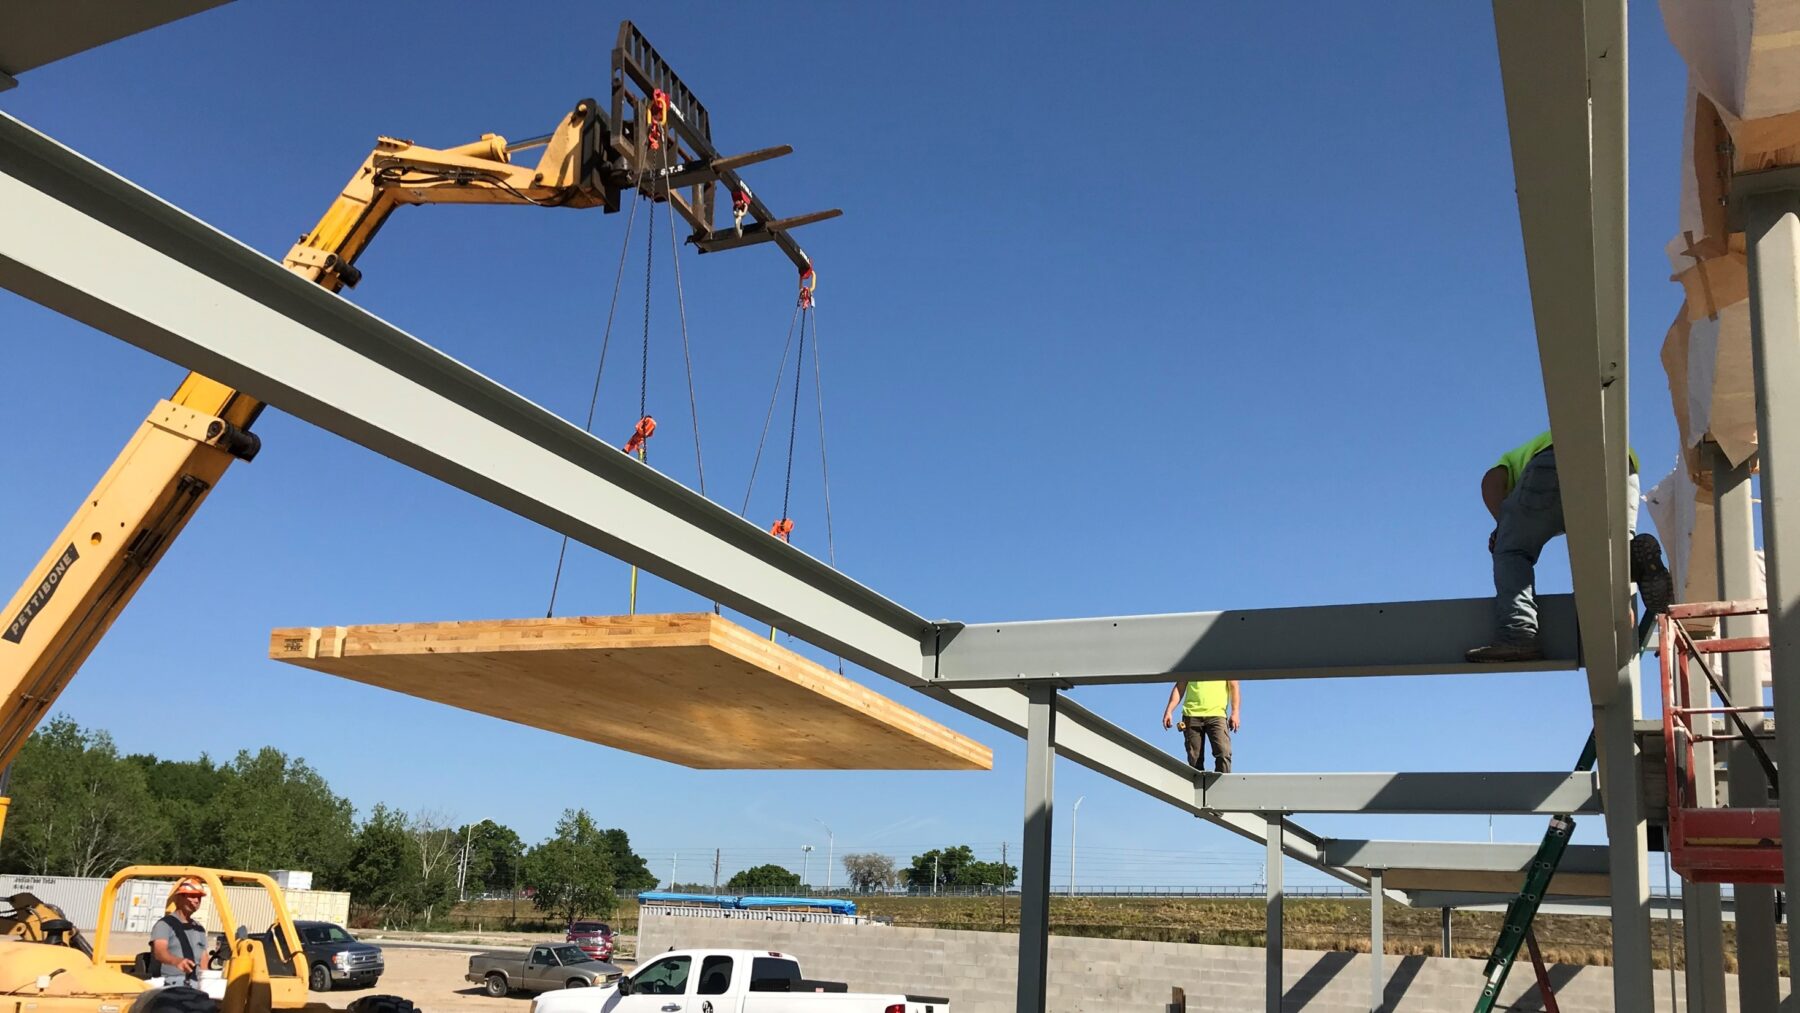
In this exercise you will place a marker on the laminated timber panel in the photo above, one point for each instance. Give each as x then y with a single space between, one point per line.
689 688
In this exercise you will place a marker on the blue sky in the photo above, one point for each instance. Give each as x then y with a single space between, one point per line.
1146 308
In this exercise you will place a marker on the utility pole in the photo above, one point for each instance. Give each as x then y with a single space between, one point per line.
716 870
674 863
1074 815
934 874
805 856
830 852
462 871
1003 885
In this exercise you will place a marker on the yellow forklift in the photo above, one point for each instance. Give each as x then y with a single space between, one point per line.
654 137
48 966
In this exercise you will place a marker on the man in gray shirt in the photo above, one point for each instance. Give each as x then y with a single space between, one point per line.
177 940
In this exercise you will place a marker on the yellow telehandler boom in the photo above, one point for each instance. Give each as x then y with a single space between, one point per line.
655 137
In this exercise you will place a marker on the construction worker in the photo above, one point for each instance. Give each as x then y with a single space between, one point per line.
1210 712
1523 494
177 940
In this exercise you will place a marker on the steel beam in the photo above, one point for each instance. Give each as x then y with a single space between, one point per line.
1456 856
1272 980
1773 240
1510 793
1563 68
1034 867
85 242
1734 530
1326 641
1377 945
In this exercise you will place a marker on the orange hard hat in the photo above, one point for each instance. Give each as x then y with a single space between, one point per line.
191 885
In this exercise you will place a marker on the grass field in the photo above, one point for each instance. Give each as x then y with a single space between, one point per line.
1310 924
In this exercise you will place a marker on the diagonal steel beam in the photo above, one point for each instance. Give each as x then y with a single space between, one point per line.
84 242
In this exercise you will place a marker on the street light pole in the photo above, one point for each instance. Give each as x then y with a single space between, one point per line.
830 852
805 856
1074 815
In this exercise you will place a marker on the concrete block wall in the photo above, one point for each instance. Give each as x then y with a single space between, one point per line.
977 971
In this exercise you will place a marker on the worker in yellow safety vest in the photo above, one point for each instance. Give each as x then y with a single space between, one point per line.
1210 712
1523 494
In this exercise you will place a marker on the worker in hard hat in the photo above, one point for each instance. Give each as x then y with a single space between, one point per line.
177 941
1523 494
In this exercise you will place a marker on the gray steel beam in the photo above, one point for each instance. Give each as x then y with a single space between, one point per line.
1565 113
1096 743
82 241
1563 68
1456 856
1034 867
1734 527
1773 240
1377 945
1326 641
1664 908
1272 980
1510 793
85 242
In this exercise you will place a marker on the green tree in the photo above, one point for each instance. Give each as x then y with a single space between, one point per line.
79 808
765 879
946 864
494 855
382 877
272 812
631 873
183 789
571 874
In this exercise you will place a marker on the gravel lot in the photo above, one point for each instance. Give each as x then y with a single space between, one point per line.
433 980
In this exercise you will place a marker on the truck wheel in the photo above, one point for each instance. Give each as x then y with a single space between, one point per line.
180 999
382 1004
576 983
496 985
319 978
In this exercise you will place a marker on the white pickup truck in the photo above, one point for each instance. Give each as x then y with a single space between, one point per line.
728 981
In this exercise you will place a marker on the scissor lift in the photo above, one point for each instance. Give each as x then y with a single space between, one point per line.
1707 843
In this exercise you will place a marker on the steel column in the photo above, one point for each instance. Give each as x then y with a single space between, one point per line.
1759 987
1273 980
1626 850
1034 867
1773 240
1445 929
1702 918
1377 946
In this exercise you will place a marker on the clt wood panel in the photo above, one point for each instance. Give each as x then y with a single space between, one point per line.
690 688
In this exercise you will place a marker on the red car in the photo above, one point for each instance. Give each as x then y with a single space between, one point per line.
594 938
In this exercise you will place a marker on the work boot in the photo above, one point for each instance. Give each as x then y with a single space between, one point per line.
1655 587
1496 653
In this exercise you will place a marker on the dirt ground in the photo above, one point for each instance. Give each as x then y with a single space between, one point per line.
433 980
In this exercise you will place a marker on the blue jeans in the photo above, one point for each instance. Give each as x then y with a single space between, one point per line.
1531 515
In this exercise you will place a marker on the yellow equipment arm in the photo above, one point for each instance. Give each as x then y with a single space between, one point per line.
182 449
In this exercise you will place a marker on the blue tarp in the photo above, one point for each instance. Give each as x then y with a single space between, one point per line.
832 904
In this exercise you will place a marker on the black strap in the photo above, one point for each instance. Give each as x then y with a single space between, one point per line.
181 936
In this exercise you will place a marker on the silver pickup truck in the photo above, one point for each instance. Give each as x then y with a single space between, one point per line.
545 966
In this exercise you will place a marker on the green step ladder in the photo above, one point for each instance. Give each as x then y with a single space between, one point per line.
1515 930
